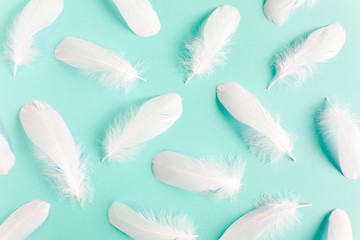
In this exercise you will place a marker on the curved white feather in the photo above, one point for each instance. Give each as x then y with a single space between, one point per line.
149 226
207 51
339 226
219 179
153 118
57 149
110 69
7 158
296 63
24 221
36 15
265 136
140 16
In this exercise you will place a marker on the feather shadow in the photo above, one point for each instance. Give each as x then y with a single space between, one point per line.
320 232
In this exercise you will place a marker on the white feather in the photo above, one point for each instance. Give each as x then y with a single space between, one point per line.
296 63
264 136
7 158
57 149
339 226
207 51
272 216
148 226
129 131
139 16
24 221
218 178
342 136
36 15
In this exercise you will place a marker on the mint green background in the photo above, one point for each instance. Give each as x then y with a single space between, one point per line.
88 108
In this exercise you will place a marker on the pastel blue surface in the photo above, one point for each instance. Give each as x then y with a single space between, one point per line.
88 108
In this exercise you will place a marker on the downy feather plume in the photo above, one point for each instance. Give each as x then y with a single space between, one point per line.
272 216
24 221
7 158
207 51
57 149
339 226
139 16
150 120
149 226
216 178
341 134
36 15
265 136
109 68
296 63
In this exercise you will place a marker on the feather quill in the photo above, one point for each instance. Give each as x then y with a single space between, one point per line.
139 16
36 15
7 158
216 178
129 131
296 63
24 221
264 136
148 226
339 226
57 149
207 51
342 136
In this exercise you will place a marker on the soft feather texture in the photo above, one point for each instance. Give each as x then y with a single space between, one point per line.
25 220
36 15
296 63
207 51
7 158
339 226
341 134
264 136
140 16
150 120
219 178
57 149
149 226
109 68
272 216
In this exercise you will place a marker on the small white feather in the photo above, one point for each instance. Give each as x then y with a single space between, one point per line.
7 158
207 51
148 226
296 63
339 226
24 221
140 16
57 149
264 136
36 15
129 131
216 177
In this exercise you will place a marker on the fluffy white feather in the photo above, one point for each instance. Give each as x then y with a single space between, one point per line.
24 221
150 120
57 149
272 216
264 136
296 63
207 51
342 135
36 15
339 226
140 16
217 177
148 226
7 158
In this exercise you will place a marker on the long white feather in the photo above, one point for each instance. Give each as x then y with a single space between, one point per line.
339 226
109 68
57 149
129 131
264 136
148 226
272 216
207 51
341 133
7 158
36 15
296 63
217 178
24 221
140 16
